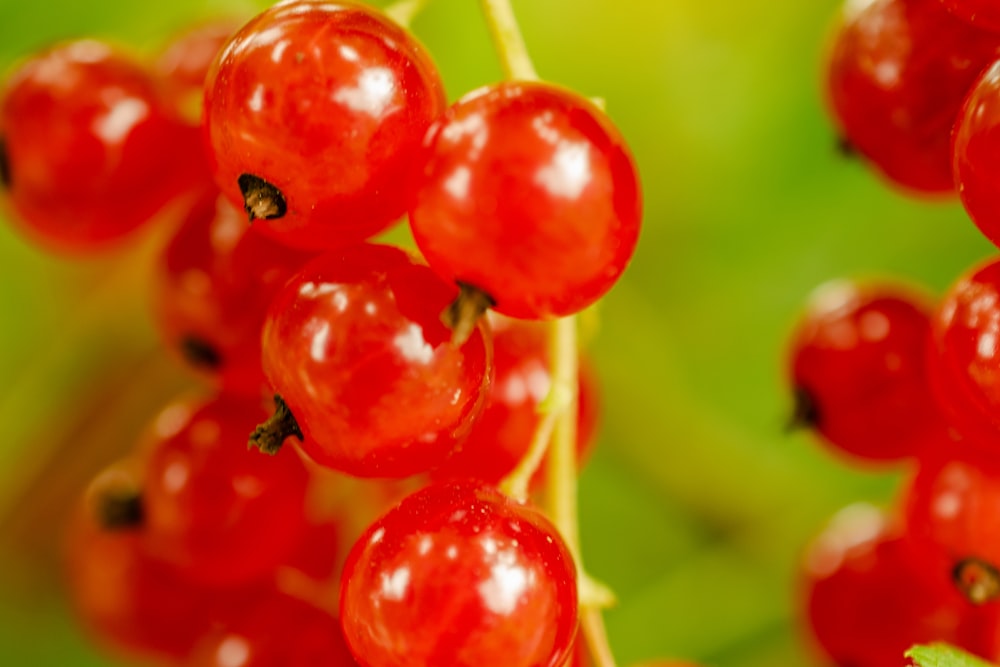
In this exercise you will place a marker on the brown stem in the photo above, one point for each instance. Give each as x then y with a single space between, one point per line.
200 353
464 312
261 200
269 436
978 580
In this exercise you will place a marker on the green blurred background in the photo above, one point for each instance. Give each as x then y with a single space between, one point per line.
697 503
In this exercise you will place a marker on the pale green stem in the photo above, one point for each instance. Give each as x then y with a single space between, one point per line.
506 34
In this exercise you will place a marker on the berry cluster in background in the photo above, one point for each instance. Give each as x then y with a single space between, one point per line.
889 374
220 539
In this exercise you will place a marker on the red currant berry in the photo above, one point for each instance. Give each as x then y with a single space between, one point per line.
980 13
952 508
315 111
502 434
975 146
279 631
528 193
220 512
374 386
868 597
964 362
128 600
216 279
897 73
184 63
91 150
857 363
458 574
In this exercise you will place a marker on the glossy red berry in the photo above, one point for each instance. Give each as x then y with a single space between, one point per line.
983 14
857 363
952 507
897 72
215 281
528 193
183 65
277 630
502 434
219 511
868 597
975 146
315 111
458 574
90 148
964 362
128 600
354 346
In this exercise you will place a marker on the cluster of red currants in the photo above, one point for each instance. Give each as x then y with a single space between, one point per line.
887 373
324 123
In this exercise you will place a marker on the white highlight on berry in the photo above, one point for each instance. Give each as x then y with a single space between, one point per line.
395 585
125 113
412 346
233 652
372 95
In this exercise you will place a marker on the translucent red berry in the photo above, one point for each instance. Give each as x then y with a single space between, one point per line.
183 65
90 147
528 193
983 14
354 346
459 574
897 72
502 434
857 363
219 511
868 597
215 281
965 358
315 111
975 146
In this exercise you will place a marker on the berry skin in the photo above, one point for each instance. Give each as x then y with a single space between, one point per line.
528 193
502 434
857 363
215 281
975 147
983 14
278 631
184 63
897 73
220 512
314 112
964 361
91 148
354 346
868 596
458 574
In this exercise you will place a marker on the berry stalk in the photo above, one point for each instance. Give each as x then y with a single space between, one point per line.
509 43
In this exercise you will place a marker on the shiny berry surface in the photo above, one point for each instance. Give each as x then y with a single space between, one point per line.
857 363
327 102
529 193
502 434
976 144
459 574
215 281
867 596
896 75
276 631
219 511
983 14
92 149
355 346
965 358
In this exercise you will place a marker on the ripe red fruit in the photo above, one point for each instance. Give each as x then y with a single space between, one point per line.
897 73
459 574
983 14
90 149
857 363
964 362
277 631
219 511
184 63
975 148
868 596
527 192
355 347
315 112
500 437
215 281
